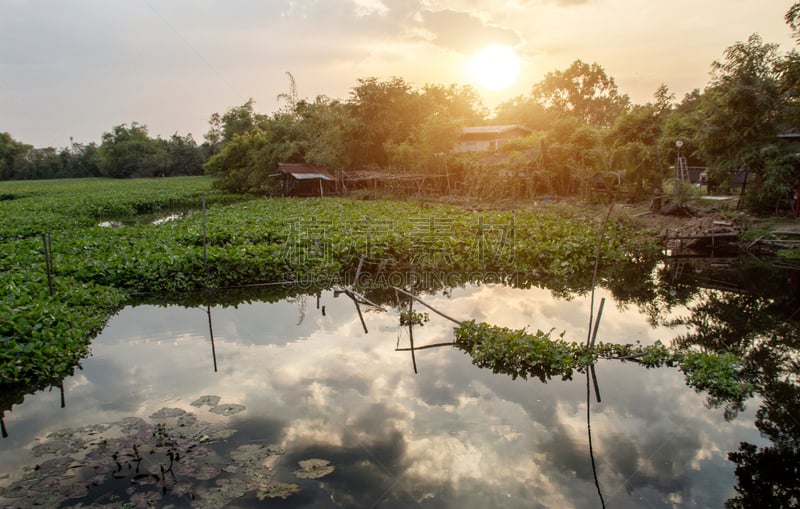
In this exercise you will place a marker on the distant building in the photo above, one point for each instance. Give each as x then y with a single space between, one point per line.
490 137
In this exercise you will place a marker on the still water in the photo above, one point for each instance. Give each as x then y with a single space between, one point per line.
299 379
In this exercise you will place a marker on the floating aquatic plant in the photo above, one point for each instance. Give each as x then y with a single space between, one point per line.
314 469
169 459
524 354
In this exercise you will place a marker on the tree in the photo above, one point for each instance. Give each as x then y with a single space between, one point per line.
743 109
80 160
384 113
246 163
291 96
570 153
460 103
182 156
584 91
237 120
128 151
526 111
634 138
12 153
321 129
792 19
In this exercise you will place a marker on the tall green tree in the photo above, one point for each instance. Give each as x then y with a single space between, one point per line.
247 163
182 156
633 141
454 102
571 153
80 160
237 120
384 113
322 128
792 19
128 151
12 155
743 110
527 111
584 91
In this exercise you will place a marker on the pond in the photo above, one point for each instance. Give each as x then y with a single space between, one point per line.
291 400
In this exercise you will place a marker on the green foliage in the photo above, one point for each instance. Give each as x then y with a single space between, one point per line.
410 317
43 336
633 143
744 111
258 241
245 164
519 353
11 155
128 151
717 375
236 121
584 91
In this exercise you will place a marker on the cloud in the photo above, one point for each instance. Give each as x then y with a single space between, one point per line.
463 32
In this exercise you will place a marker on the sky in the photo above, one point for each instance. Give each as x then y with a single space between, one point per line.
77 68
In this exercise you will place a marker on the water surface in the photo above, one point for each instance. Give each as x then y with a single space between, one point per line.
313 384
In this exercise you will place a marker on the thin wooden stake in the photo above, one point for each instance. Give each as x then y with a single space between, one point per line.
48 259
597 321
205 241
411 333
211 334
363 323
424 347
596 385
591 449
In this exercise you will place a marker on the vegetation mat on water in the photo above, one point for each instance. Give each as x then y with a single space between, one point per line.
242 241
171 458
519 353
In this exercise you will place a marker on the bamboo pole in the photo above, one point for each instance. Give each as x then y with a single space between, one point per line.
411 333
48 259
205 241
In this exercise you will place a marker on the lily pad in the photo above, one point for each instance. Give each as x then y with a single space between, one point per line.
166 413
228 409
211 401
277 490
314 469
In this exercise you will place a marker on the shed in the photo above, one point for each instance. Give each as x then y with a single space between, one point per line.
300 179
490 137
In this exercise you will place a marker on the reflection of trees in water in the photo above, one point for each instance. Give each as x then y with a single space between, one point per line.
727 308
768 476
757 319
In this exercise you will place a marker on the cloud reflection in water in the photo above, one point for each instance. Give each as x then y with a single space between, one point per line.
451 436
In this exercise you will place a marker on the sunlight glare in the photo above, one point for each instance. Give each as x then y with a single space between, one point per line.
494 67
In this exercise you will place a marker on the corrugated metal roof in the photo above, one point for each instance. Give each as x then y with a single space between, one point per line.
494 129
302 171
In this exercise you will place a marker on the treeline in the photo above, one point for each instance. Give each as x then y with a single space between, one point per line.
126 151
583 127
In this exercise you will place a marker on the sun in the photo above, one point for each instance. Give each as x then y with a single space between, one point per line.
494 67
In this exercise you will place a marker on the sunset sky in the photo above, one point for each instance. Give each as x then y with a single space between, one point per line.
76 68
